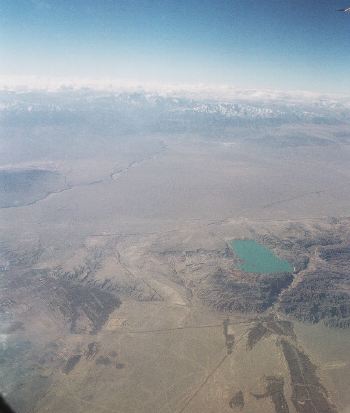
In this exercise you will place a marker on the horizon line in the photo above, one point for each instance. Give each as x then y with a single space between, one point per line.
224 91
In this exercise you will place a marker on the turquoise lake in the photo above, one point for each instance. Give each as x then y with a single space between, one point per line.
256 258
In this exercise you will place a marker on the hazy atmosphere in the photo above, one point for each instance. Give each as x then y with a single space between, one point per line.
289 44
174 206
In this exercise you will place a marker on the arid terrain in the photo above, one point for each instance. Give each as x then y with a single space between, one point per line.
119 287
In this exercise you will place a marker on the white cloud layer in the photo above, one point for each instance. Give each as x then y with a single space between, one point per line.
196 91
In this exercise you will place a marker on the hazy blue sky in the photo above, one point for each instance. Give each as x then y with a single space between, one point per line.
284 44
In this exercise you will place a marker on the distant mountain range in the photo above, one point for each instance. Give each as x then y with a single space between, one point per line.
172 106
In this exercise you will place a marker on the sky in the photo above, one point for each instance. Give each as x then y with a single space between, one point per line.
274 44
